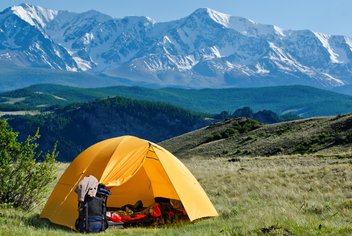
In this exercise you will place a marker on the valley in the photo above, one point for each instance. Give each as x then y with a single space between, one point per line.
75 118
299 100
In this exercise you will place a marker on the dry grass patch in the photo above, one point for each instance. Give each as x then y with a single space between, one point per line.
310 194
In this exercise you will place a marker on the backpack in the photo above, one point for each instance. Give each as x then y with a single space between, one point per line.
92 212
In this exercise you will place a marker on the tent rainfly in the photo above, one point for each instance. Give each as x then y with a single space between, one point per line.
132 169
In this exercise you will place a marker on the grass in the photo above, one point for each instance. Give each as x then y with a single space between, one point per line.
281 195
292 193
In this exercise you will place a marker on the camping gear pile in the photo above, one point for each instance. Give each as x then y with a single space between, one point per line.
163 211
133 170
94 217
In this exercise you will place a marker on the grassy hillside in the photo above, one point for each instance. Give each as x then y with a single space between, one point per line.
76 127
301 100
315 135
281 195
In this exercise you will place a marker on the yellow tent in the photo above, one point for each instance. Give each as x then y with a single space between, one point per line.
133 169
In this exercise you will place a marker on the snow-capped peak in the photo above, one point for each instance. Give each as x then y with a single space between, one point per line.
252 28
218 17
240 24
34 15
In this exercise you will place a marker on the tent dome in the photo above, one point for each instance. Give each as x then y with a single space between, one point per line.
133 169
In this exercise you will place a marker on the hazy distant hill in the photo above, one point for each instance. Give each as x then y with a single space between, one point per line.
78 126
14 77
301 100
245 137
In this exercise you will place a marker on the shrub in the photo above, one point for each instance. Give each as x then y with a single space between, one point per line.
229 132
24 173
213 137
302 148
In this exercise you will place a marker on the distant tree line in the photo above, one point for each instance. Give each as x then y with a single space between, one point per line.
264 116
77 126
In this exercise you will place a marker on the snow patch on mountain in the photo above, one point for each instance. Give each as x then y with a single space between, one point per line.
87 38
349 42
332 80
261 69
324 39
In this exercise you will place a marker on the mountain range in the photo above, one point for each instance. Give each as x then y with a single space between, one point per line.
202 50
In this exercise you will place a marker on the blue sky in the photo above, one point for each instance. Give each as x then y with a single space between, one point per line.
327 16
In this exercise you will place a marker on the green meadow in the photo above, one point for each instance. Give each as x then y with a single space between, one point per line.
275 195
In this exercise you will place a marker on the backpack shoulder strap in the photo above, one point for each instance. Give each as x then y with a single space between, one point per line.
86 216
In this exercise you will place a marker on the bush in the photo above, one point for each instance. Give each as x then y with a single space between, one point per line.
213 137
24 173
